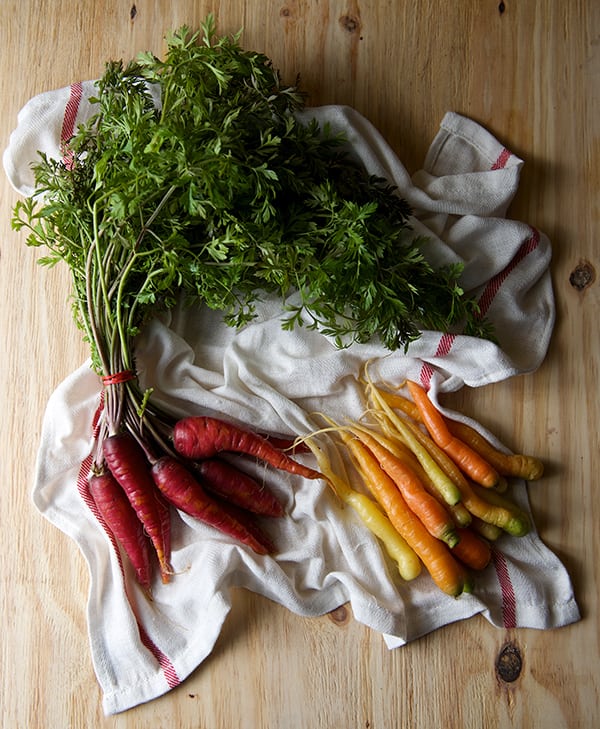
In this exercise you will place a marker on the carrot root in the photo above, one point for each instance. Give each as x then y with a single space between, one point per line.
472 550
200 437
237 487
120 517
185 493
128 464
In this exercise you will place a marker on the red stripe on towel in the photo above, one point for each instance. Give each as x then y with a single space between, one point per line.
509 603
69 119
502 160
168 669
71 109
446 341
494 284
492 287
443 348
490 291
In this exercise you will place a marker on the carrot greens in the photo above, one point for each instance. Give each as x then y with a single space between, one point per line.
194 177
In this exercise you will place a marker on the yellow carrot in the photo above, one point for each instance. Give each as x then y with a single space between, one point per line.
491 532
430 511
443 483
505 515
409 564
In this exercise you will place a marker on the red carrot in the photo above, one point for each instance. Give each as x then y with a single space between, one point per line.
185 492
288 444
120 517
128 464
248 521
237 487
203 437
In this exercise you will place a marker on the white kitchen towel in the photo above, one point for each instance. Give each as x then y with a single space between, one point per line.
274 380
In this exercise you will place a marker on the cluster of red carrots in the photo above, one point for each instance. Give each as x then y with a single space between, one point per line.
438 486
133 490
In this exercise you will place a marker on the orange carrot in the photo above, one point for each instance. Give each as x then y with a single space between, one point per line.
476 467
516 465
399 402
447 573
430 511
472 550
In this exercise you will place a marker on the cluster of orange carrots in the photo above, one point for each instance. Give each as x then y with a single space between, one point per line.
437 485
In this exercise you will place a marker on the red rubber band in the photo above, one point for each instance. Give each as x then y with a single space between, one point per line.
118 378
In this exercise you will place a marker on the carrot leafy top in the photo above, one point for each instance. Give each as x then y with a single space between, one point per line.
195 179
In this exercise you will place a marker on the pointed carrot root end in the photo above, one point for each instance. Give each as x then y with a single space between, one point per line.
166 571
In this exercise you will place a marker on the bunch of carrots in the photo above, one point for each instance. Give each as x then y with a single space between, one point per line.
431 488
133 489
437 485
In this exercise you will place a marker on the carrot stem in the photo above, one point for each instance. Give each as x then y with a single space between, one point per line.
204 437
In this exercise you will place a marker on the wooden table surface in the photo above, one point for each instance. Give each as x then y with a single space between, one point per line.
530 73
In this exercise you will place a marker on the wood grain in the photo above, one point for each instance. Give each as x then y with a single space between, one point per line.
529 72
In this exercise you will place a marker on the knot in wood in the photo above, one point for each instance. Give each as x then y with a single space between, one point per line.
582 276
509 663
350 23
340 615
